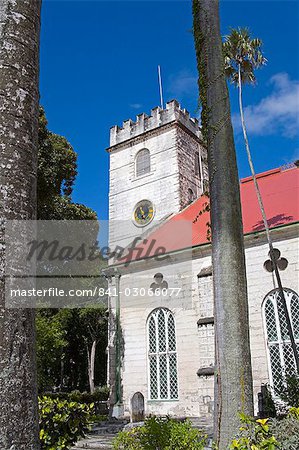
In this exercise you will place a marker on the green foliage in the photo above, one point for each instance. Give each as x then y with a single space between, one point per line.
50 348
94 320
61 351
161 434
266 434
156 433
286 430
62 423
62 339
255 435
56 173
100 394
294 412
184 437
240 50
269 403
201 57
128 440
288 390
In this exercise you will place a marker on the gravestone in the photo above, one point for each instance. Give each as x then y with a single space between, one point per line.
137 407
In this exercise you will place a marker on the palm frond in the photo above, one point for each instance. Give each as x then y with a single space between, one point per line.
240 49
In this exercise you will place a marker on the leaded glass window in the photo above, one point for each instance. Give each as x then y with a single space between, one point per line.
281 357
162 355
143 162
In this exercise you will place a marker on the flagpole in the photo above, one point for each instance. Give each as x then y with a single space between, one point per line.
160 87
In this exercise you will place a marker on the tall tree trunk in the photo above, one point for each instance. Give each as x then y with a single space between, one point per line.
19 96
266 225
233 379
92 359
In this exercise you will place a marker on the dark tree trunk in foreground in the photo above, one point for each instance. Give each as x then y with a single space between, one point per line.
233 380
19 96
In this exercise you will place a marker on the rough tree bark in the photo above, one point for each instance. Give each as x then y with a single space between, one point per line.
91 365
233 380
19 96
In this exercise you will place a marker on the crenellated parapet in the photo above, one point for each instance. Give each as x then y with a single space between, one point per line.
158 117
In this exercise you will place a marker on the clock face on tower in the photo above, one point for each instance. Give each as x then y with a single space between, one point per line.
143 213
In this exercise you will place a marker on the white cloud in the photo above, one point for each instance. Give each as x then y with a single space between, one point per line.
277 113
183 84
136 105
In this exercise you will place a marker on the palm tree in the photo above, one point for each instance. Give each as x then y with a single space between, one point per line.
19 67
242 55
233 377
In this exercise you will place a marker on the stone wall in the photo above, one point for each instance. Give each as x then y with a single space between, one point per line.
190 176
195 344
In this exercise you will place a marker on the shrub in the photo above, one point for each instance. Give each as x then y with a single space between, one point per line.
288 390
286 430
128 440
100 394
268 434
62 423
255 435
294 412
98 398
161 434
155 434
184 437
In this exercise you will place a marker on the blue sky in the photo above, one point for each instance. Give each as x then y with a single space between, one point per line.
99 67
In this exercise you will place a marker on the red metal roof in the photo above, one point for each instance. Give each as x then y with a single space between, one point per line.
280 192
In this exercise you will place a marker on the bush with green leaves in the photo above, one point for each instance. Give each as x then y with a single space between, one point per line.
255 435
286 430
288 390
62 422
268 434
100 394
161 434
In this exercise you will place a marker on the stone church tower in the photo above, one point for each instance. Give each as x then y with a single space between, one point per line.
157 167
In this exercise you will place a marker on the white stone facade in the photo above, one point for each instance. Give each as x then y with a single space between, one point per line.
195 344
171 138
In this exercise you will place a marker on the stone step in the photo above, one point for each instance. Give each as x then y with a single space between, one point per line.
96 443
102 434
108 429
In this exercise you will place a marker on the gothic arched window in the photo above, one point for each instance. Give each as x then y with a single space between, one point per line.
162 356
280 354
142 162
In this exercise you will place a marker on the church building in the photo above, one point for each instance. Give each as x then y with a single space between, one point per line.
161 330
